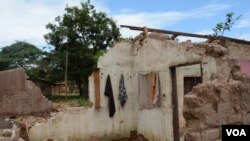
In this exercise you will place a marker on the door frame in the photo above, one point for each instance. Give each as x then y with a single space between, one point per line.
176 125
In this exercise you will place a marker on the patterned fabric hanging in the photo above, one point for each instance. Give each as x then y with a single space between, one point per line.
122 92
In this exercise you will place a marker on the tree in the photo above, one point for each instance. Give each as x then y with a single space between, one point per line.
21 54
83 32
221 27
49 67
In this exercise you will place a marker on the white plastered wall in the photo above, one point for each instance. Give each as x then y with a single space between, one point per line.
155 124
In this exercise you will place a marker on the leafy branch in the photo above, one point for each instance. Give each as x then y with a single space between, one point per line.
221 27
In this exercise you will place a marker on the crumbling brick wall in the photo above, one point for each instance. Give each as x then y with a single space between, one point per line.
212 104
19 96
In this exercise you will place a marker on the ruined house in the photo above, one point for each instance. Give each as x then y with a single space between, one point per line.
140 86
45 86
19 96
58 88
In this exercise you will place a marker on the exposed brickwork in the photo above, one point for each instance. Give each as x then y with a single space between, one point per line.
19 96
210 105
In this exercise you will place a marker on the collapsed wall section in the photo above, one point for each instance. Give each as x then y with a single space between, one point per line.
210 105
19 96
224 96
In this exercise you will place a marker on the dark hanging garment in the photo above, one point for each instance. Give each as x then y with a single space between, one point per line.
109 93
122 92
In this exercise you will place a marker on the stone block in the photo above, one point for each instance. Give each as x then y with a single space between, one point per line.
206 110
216 119
247 103
195 125
193 136
246 119
235 118
191 100
225 108
210 135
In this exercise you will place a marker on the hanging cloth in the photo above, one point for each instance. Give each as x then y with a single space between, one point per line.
122 92
153 85
109 93
156 96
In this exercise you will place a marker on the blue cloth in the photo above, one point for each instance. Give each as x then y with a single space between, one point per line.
122 92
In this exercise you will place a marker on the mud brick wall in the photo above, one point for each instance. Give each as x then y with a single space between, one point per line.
210 105
19 96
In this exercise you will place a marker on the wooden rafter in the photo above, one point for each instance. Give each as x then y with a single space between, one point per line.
175 34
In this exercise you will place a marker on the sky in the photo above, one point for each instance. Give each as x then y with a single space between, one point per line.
25 20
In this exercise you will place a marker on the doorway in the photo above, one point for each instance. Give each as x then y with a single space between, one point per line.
184 77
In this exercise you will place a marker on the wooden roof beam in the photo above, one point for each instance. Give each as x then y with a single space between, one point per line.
175 33
174 36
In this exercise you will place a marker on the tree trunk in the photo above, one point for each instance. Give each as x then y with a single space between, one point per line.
80 90
83 89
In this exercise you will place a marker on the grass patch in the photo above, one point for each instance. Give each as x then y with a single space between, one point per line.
72 100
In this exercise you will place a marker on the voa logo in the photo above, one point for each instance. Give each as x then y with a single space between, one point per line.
236 132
